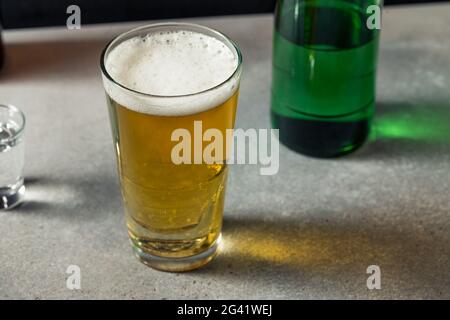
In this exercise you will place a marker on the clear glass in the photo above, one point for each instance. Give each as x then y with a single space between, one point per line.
12 124
173 212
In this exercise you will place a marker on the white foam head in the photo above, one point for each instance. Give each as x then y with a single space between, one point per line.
179 65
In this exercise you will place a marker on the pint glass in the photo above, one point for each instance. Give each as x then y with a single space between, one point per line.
160 79
324 70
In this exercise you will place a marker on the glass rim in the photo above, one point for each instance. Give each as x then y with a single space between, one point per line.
123 35
19 112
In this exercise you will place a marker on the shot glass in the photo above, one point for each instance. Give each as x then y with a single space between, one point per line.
12 125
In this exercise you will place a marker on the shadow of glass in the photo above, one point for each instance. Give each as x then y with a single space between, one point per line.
34 206
323 252
84 198
408 130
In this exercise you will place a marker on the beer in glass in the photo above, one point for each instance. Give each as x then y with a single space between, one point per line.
158 79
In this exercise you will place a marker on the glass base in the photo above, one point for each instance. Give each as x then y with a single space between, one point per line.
176 264
11 197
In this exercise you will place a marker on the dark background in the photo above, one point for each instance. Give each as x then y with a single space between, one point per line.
38 13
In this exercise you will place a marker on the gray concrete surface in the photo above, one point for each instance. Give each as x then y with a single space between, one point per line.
309 232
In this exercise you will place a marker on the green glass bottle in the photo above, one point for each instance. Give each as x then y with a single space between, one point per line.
323 76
